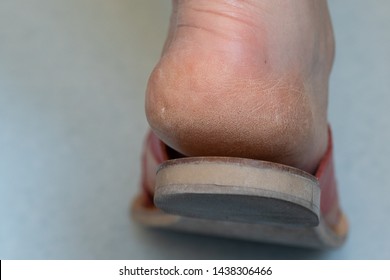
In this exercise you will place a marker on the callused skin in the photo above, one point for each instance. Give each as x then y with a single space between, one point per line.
245 79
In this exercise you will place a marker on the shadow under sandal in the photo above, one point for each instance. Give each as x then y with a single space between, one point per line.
240 198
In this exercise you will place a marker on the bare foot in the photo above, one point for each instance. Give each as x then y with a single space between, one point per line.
245 79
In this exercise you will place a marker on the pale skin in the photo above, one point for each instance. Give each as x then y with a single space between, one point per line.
245 78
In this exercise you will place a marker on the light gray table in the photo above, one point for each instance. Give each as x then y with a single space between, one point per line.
72 79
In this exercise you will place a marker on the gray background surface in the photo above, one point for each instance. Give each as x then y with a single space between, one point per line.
72 81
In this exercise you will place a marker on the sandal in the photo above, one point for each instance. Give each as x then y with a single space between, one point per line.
240 198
